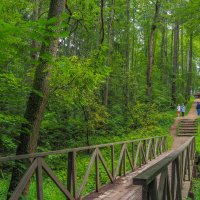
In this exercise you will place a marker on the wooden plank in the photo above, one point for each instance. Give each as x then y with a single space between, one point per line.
120 161
124 160
56 181
113 161
72 177
69 171
174 182
168 189
179 193
97 171
39 179
129 158
137 153
153 190
162 184
148 150
145 192
88 172
105 167
188 163
156 146
133 154
23 182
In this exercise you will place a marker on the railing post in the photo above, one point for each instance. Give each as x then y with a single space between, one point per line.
39 179
177 164
124 159
188 162
145 192
97 171
153 190
133 154
155 147
71 177
113 161
145 152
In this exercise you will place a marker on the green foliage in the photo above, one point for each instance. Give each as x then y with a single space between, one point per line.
195 188
143 115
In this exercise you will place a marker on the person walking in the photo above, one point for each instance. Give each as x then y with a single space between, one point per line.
198 108
183 110
178 110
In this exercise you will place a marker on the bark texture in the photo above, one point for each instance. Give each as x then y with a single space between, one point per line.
189 74
110 43
151 48
175 62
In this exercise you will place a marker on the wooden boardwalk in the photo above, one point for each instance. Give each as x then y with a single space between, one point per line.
124 189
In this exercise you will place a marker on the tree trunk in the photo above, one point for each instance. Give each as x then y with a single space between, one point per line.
175 63
38 97
35 45
151 48
162 50
101 33
189 74
127 51
110 38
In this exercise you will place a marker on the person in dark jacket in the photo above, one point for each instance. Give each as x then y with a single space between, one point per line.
198 108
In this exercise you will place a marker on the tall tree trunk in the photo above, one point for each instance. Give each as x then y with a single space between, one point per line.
127 51
182 51
110 39
102 32
35 45
151 48
162 50
189 74
175 63
38 97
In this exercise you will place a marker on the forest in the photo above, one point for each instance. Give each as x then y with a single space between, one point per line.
83 72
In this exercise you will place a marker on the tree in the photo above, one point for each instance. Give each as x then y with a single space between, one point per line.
175 62
151 48
39 96
189 76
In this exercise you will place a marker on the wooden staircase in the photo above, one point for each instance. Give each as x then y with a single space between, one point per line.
187 127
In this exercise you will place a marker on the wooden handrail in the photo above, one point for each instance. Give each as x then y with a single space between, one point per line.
62 151
180 161
135 152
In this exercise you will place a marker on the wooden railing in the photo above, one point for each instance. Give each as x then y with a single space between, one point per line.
135 153
165 179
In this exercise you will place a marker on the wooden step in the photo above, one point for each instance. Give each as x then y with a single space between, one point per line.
187 128
187 131
184 126
184 119
186 134
188 122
